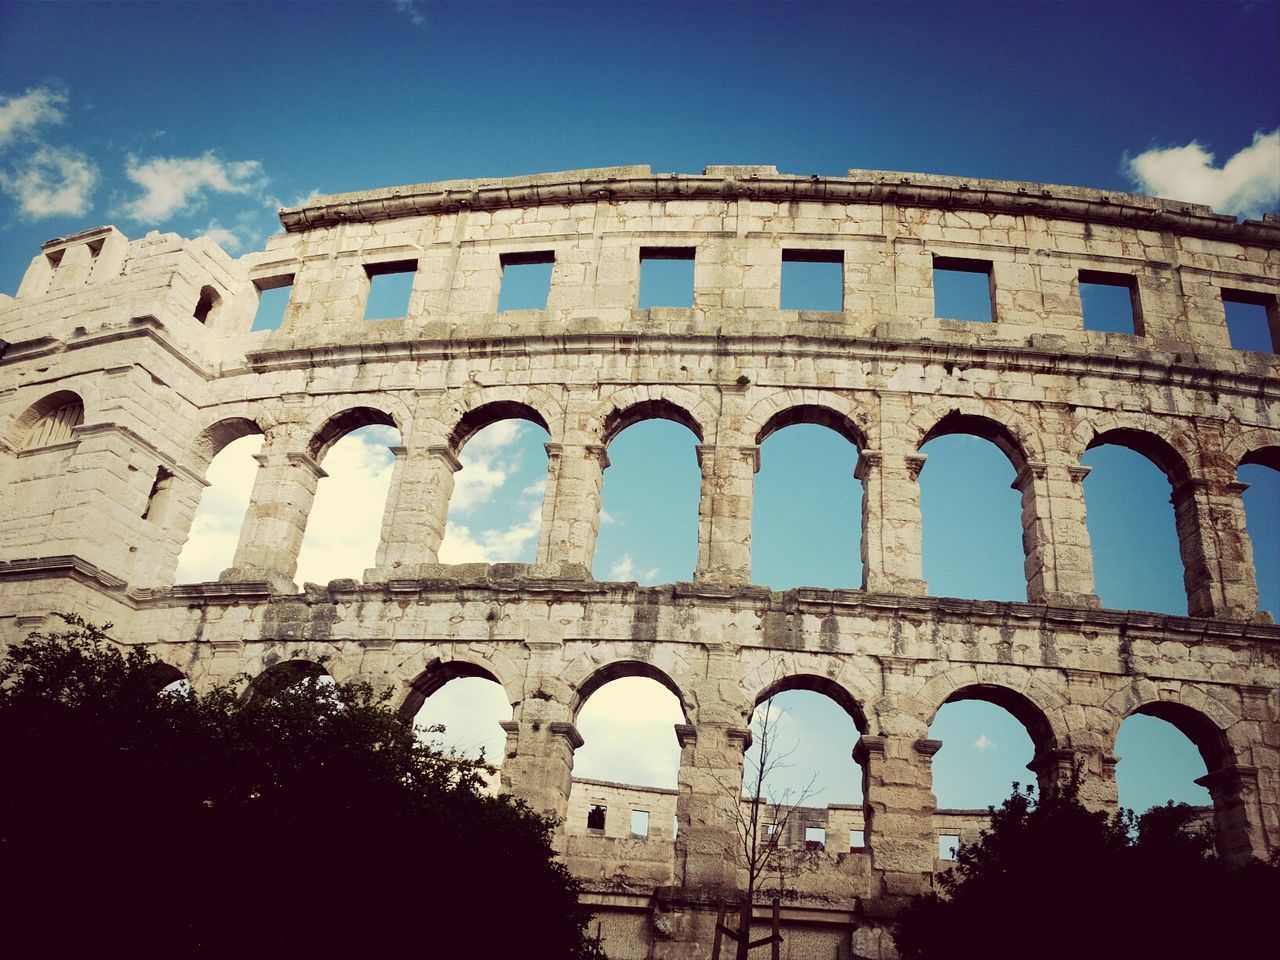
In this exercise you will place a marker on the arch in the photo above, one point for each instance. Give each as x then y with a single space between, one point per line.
625 668
1151 445
476 419
1019 705
340 424
1210 739
1040 709
1263 457
955 422
435 675
818 415
280 676
816 684
218 435
49 420
851 421
159 675
618 419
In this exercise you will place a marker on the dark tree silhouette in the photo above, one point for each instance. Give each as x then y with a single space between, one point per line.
203 824
1053 880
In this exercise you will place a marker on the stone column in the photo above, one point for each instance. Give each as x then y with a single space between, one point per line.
709 844
1056 768
417 510
891 552
1237 812
1216 555
897 781
1055 539
283 492
538 765
724 512
571 507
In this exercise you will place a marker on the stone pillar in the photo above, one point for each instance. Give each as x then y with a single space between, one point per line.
1237 811
1055 769
891 552
413 524
571 508
897 781
283 492
538 765
709 844
724 512
1217 558
1055 539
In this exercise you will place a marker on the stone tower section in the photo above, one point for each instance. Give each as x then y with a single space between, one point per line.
128 365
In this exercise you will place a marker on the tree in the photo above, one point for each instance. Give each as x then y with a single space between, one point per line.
204 824
1051 879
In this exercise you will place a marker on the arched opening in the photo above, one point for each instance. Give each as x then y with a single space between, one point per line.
167 679
495 511
989 735
207 304
1261 471
49 420
282 675
807 514
215 526
800 783
627 715
469 703
1159 763
1138 561
356 450
649 502
971 516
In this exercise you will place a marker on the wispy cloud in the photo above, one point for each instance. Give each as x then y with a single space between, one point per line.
628 729
173 185
221 236
53 181
1247 185
411 10
21 114
625 569
984 743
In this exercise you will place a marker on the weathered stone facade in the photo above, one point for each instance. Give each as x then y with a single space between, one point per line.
130 364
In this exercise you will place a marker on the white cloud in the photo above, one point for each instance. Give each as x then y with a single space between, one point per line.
22 114
179 184
628 728
1248 184
410 9
53 181
505 545
625 569
984 743
606 518
221 236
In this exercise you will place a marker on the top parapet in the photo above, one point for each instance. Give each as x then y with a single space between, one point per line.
766 183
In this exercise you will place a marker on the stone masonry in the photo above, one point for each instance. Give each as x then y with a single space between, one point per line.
127 365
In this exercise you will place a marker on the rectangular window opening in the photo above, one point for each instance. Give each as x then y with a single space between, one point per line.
857 839
273 299
666 277
815 838
1253 320
526 280
948 844
812 280
770 829
595 816
962 289
390 286
639 823
1109 302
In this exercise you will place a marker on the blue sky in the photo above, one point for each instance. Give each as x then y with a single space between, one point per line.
203 118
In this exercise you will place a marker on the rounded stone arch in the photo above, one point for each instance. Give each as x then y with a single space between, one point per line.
339 424
1012 435
1262 456
440 671
616 670
631 405
1174 451
64 409
1039 708
784 408
843 679
160 674
1202 718
280 676
472 421
211 440
815 683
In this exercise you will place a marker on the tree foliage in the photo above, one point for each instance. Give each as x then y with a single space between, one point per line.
204 824
1051 879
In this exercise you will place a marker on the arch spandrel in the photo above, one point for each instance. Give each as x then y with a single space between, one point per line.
1212 725
583 688
217 435
493 406
1170 445
851 682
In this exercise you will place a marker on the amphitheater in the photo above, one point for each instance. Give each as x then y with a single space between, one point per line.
128 365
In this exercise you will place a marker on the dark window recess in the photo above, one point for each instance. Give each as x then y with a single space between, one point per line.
273 300
595 816
1110 302
962 289
666 277
812 280
207 303
526 280
1253 320
159 495
390 286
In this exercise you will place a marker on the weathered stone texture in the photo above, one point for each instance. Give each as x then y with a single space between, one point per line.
128 365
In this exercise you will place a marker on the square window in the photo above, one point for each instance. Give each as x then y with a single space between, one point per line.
815 838
1109 302
812 280
526 280
948 844
962 289
273 299
390 285
1253 321
666 277
857 839
770 829
595 816
639 823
